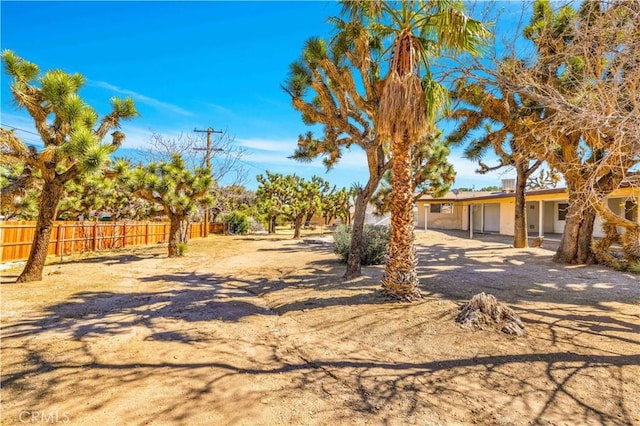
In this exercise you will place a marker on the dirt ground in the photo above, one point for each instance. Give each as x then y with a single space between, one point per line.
253 330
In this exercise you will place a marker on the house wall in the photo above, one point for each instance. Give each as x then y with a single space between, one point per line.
465 217
507 217
549 214
439 220
499 213
533 216
477 217
558 225
492 217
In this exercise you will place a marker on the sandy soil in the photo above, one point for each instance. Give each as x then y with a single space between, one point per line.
263 330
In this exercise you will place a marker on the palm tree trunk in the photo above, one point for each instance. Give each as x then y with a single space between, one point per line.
51 195
400 279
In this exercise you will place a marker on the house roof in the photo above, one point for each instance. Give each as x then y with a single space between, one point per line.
631 183
484 195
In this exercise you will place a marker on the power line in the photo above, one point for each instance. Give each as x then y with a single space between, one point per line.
18 128
251 165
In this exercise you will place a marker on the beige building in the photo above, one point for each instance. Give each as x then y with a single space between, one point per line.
494 212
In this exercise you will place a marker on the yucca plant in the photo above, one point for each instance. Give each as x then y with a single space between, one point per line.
175 188
73 138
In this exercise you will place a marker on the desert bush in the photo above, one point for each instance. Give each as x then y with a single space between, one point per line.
237 223
375 240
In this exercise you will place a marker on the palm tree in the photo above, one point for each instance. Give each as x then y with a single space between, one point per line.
72 138
419 30
432 174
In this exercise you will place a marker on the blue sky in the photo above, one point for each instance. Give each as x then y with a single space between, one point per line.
189 65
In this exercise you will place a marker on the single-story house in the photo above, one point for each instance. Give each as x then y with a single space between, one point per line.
494 212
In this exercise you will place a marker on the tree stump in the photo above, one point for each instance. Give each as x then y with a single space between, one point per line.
484 310
537 242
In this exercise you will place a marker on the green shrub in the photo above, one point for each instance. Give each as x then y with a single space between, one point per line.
182 248
237 223
375 240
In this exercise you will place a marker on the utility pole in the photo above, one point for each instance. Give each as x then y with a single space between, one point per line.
208 150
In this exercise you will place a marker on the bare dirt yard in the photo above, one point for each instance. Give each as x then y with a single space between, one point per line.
252 330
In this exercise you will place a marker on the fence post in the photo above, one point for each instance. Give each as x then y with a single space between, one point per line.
146 234
61 241
124 234
95 235
60 228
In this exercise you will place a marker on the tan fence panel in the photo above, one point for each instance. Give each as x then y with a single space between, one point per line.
16 237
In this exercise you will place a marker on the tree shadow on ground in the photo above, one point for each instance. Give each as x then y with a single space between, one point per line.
380 391
377 386
458 274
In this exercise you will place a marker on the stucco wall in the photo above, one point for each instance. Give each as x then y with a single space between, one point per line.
439 220
507 217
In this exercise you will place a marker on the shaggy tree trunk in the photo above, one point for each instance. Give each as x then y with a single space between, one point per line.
575 245
354 268
630 239
184 230
175 234
376 171
51 194
272 225
307 220
520 233
297 225
400 279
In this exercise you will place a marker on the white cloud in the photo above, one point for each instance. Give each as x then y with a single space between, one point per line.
142 98
136 137
273 145
467 177
356 159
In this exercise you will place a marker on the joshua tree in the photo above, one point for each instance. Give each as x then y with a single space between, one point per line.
72 136
322 86
175 188
503 118
586 76
290 196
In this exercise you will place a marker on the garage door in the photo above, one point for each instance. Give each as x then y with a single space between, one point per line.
492 217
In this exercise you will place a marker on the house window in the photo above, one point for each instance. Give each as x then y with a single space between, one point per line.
562 211
444 208
630 211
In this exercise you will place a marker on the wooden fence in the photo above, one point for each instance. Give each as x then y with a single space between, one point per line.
16 237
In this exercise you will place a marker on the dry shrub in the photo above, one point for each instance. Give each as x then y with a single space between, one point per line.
484 310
